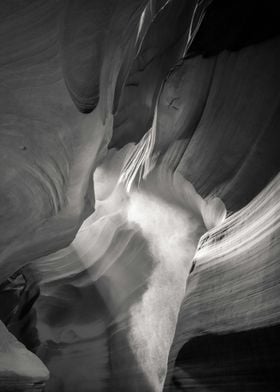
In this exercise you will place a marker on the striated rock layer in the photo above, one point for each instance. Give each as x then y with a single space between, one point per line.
227 331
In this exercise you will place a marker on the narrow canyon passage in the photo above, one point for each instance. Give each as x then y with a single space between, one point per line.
138 266
139 195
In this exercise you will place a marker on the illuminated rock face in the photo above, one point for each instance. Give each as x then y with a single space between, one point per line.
77 76
227 330
138 266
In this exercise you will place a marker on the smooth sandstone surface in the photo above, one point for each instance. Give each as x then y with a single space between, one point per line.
79 76
54 146
20 369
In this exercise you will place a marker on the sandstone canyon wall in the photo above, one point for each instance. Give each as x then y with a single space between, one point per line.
128 130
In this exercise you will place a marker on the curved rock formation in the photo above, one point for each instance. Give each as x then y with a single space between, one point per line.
239 309
149 113
20 368
130 265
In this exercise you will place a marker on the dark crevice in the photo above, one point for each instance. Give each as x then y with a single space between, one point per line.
240 361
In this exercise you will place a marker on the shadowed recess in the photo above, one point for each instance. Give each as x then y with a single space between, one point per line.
241 361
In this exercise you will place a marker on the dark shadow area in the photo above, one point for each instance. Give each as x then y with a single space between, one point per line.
17 297
247 361
235 24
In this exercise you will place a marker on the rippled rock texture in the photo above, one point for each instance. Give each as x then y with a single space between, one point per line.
230 341
129 129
